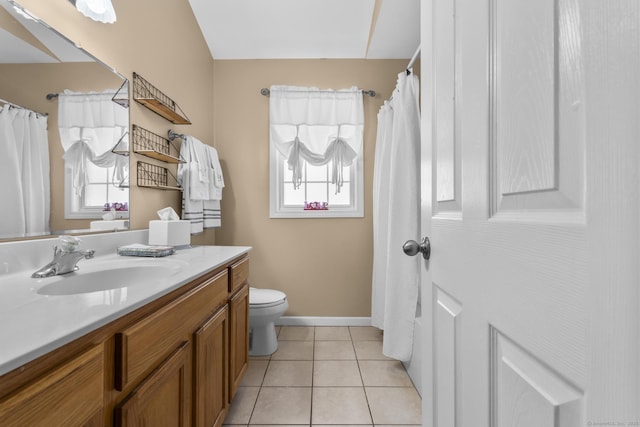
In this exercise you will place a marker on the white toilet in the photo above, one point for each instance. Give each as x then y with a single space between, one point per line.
265 307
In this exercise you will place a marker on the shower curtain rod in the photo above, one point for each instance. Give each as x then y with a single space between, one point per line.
413 59
11 104
372 93
51 96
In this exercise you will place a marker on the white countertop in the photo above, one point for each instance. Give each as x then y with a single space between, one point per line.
33 324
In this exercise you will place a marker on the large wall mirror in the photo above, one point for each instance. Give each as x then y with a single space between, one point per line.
64 122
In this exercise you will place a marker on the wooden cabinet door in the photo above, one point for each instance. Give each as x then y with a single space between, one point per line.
211 370
239 338
163 398
69 395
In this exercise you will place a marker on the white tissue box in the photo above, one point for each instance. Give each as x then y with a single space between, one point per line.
171 233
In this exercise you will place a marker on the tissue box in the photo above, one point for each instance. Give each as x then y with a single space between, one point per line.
171 233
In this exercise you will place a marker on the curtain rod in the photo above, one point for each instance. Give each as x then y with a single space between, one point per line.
413 59
11 104
372 93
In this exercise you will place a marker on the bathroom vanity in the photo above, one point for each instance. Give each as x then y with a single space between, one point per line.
169 350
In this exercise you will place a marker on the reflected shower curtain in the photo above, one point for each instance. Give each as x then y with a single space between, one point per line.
396 218
24 172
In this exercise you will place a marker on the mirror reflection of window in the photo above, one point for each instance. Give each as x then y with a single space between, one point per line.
102 192
91 126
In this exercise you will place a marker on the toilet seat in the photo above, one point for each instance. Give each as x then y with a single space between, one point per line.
264 298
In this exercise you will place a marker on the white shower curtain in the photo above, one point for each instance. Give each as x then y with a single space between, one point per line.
24 172
397 218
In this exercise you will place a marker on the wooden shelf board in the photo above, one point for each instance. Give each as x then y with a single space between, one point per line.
161 109
159 156
160 187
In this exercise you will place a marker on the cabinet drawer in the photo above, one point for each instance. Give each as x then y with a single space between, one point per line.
145 344
239 274
70 395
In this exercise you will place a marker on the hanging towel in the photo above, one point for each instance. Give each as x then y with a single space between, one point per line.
201 185
216 170
402 272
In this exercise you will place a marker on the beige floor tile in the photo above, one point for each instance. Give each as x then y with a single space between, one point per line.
294 350
296 333
282 405
340 405
369 350
394 405
255 373
378 373
242 405
267 357
365 333
336 373
288 373
344 425
334 350
332 333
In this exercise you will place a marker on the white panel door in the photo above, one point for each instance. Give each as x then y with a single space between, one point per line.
530 196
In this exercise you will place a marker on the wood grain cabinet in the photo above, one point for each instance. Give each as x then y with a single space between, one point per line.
70 395
211 372
239 324
162 399
176 361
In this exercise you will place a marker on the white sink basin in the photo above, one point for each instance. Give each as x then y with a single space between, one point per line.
107 276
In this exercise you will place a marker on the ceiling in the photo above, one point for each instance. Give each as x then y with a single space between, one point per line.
301 29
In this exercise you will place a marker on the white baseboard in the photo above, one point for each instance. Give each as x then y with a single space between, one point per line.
323 321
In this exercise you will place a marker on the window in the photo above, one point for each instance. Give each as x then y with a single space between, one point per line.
316 167
316 186
89 201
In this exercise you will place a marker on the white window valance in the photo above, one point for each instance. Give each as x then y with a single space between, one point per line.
316 126
90 125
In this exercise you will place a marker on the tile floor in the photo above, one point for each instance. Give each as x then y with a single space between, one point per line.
334 376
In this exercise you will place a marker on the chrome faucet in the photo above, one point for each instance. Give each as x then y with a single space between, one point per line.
65 258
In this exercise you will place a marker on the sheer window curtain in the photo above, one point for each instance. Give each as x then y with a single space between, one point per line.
24 170
90 125
316 126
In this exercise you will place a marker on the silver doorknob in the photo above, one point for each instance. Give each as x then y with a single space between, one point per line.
411 247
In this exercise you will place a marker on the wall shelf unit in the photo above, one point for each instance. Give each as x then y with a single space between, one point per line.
158 177
155 100
153 145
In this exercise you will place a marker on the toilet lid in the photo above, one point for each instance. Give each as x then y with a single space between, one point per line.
265 296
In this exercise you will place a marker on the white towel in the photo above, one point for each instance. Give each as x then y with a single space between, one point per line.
200 172
200 192
216 172
212 213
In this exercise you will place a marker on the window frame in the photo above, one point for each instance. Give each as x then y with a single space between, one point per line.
71 199
276 192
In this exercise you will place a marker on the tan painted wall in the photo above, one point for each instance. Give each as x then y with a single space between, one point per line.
162 42
323 265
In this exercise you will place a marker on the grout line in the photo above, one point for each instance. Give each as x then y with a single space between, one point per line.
364 390
313 368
